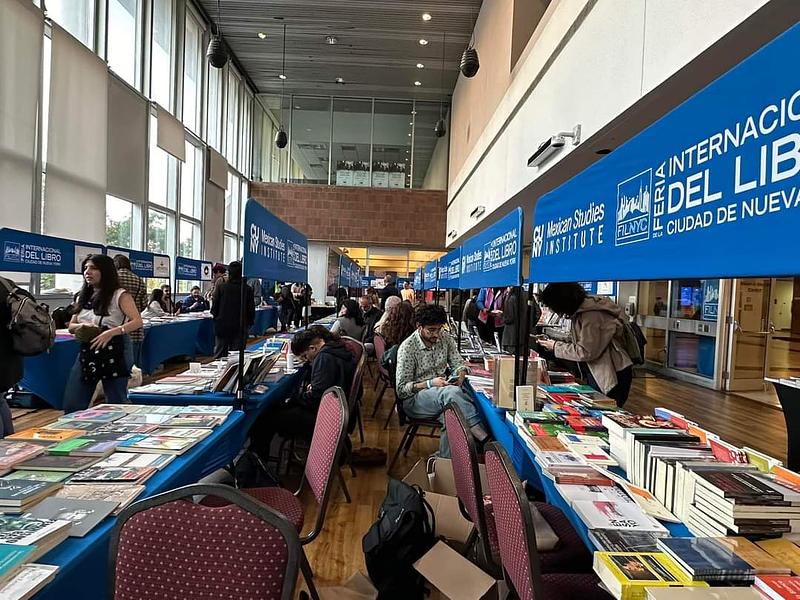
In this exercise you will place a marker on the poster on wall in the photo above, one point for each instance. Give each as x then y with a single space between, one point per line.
380 174
493 257
710 303
360 174
33 253
272 248
189 269
144 264
344 172
709 190
397 175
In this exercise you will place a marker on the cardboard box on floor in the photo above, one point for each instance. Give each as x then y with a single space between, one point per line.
443 567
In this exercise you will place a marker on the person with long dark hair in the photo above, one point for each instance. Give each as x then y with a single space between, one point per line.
328 363
155 306
350 321
106 315
399 325
226 307
597 338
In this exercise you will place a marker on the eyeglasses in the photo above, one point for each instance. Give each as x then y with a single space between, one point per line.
433 330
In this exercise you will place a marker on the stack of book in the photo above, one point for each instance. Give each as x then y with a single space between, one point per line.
704 559
623 515
42 534
13 453
626 575
715 593
784 551
619 424
777 587
12 559
18 495
27 581
120 494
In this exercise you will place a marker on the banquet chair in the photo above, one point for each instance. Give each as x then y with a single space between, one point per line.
569 556
413 426
167 548
356 391
322 466
384 378
517 540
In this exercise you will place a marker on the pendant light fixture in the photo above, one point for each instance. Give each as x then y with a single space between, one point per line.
217 54
281 139
440 130
469 60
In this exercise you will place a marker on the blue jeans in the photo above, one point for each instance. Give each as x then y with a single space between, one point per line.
429 404
79 393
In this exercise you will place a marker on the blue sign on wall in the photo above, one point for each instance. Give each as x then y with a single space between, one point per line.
33 253
710 300
430 275
192 270
144 264
273 249
493 257
709 190
450 270
599 288
418 279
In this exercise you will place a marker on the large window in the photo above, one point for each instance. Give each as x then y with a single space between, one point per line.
214 108
233 217
163 53
246 134
393 127
232 119
76 16
424 140
192 73
192 183
160 232
311 138
120 223
352 131
125 39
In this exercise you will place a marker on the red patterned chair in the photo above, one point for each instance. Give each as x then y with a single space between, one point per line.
569 556
517 540
168 548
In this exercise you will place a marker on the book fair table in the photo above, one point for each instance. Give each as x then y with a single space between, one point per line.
529 470
46 375
83 562
266 318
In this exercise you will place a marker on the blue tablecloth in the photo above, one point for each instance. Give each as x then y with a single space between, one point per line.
84 562
184 337
529 470
46 375
266 318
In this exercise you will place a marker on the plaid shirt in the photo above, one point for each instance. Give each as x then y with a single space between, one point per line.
135 286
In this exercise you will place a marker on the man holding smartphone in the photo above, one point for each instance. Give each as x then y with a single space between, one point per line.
423 362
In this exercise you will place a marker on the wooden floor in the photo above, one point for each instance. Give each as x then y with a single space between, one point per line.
337 553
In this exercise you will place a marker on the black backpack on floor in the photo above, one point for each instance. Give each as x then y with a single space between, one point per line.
403 533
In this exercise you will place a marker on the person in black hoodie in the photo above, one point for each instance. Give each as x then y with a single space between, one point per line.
226 309
328 363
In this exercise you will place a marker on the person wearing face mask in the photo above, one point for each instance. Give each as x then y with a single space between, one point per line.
328 363
194 302
106 311
430 373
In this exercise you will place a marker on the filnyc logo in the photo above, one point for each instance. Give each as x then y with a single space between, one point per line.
633 209
538 240
12 252
254 237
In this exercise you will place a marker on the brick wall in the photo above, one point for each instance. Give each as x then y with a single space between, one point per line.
412 218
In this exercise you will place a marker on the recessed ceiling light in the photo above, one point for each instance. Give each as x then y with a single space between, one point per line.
417 83
411 122
262 35
426 16
332 40
281 76
340 80
297 107
409 135
420 66
413 112
423 42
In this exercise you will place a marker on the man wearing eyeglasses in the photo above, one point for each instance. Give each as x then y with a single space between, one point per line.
431 372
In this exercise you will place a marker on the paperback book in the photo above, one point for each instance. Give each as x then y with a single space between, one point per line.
84 515
614 540
599 514
44 534
31 578
12 558
777 587
47 462
137 460
704 559
762 562
37 475
113 475
41 434
95 415
21 493
121 494
13 453
627 574
194 421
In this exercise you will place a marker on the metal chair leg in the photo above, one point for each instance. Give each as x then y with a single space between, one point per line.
360 424
388 418
343 483
308 575
414 430
399 449
379 399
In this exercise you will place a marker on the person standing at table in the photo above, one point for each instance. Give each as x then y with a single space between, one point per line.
286 306
407 293
389 290
107 315
194 302
218 277
431 373
226 307
136 287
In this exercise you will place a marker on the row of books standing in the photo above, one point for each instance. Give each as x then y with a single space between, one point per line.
64 479
676 472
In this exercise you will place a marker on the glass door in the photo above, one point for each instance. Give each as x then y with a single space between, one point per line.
782 359
751 331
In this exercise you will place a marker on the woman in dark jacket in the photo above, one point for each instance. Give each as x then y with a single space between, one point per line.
328 363
226 307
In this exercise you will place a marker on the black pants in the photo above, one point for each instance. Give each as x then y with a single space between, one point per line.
286 316
224 344
620 391
286 420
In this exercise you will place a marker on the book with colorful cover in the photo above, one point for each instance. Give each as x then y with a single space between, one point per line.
113 474
706 560
41 434
552 459
615 540
546 443
606 514
579 474
539 417
761 461
143 419
49 462
582 438
17 493
126 408
12 557
13 453
697 593
118 429
160 444
784 551
725 452
82 427
778 587
136 460
37 475
122 494
194 421
593 454
627 574
195 433
551 429
582 424
29 531
762 562
94 415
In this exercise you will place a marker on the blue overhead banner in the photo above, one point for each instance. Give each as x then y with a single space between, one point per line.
273 249
493 257
450 270
418 279
709 190
144 264
429 276
192 270
33 253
